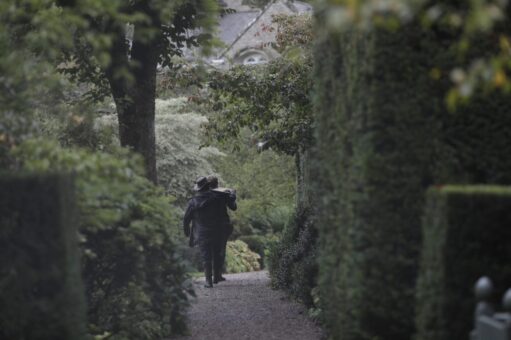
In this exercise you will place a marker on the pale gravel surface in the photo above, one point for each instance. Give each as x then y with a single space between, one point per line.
245 307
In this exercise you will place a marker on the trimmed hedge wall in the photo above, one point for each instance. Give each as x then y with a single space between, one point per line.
383 136
373 156
466 235
42 293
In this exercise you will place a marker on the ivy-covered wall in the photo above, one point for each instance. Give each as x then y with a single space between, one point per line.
42 295
383 136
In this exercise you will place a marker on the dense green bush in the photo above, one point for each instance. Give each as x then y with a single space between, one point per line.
258 216
466 235
42 295
239 258
260 244
265 183
134 279
292 260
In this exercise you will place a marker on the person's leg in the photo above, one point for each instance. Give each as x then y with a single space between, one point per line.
217 259
206 251
223 250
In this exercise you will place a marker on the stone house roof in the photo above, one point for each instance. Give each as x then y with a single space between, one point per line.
245 35
232 24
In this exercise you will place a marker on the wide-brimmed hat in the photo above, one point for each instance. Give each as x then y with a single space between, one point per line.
213 181
200 183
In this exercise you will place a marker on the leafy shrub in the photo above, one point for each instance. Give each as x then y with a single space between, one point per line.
292 260
260 245
258 216
239 258
256 243
134 279
278 217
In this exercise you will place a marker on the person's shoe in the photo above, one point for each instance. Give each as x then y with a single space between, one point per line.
218 279
208 284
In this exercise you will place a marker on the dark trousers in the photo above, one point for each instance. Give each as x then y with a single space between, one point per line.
210 250
223 247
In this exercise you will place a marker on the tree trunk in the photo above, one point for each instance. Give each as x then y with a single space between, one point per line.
135 98
136 121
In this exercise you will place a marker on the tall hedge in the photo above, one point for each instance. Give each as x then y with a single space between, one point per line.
41 294
373 152
466 235
383 135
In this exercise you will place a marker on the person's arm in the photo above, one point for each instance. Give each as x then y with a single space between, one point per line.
231 201
188 218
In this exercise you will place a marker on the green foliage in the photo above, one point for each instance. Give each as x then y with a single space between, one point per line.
265 184
185 79
87 37
292 260
260 245
114 46
473 23
134 278
271 100
239 258
27 82
466 232
42 294
294 31
179 156
256 243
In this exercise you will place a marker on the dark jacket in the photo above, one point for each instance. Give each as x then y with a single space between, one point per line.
208 214
229 200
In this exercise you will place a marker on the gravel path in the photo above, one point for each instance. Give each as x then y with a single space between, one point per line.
245 307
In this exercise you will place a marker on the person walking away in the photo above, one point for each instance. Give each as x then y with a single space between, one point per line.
203 209
228 196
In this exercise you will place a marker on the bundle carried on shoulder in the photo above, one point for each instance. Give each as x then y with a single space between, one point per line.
225 190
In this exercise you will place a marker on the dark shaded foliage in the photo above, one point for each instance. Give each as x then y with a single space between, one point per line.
256 243
292 261
466 236
42 294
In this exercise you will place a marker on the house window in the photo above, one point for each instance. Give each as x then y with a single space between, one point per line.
254 59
